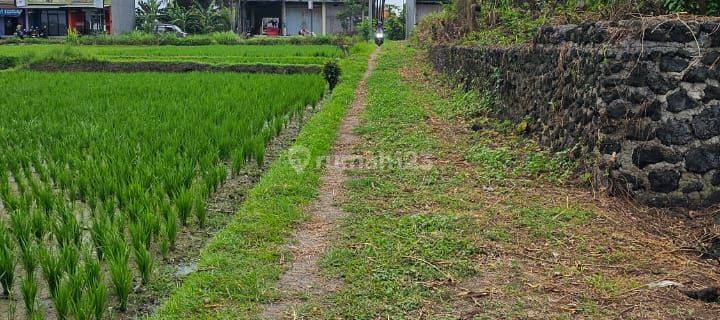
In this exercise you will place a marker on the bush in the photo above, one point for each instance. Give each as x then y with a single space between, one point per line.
332 73
395 29
8 62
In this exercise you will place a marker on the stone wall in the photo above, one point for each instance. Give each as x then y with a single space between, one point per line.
641 98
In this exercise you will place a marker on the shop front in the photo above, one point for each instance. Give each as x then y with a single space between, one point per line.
58 16
10 17
87 16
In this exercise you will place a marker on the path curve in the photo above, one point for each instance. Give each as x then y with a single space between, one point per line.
303 278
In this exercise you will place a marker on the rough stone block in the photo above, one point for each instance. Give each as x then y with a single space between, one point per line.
675 132
703 159
651 154
679 101
707 124
664 181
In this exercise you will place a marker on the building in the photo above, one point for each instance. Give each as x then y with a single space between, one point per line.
290 17
10 17
57 16
416 10
270 17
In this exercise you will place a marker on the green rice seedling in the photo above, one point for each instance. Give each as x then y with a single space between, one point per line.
200 209
29 289
165 209
29 258
183 203
62 299
121 276
76 282
171 228
164 246
98 298
152 224
45 199
82 309
51 266
21 227
7 260
221 175
139 234
238 160
259 151
38 224
100 228
66 227
91 270
69 258
144 262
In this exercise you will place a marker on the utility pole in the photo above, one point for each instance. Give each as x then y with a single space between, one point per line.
409 17
123 16
310 8
370 14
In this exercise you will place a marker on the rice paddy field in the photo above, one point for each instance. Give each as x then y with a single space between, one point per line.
212 54
102 174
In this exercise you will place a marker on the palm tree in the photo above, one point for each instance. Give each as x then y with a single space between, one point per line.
209 18
181 17
148 14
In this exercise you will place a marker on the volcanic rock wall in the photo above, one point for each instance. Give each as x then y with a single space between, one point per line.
642 98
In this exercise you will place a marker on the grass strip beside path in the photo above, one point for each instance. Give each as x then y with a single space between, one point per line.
238 267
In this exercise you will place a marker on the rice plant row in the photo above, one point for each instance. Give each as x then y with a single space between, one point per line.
280 54
99 171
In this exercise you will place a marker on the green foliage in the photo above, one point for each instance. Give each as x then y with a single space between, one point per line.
210 54
69 258
8 62
332 73
98 299
200 209
183 203
62 299
100 228
148 14
29 290
120 272
171 228
144 262
66 227
38 224
91 270
28 254
510 22
703 7
201 18
52 270
394 28
7 260
21 228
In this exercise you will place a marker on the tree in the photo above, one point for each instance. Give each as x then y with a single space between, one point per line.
181 17
148 14
351 14
212 18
